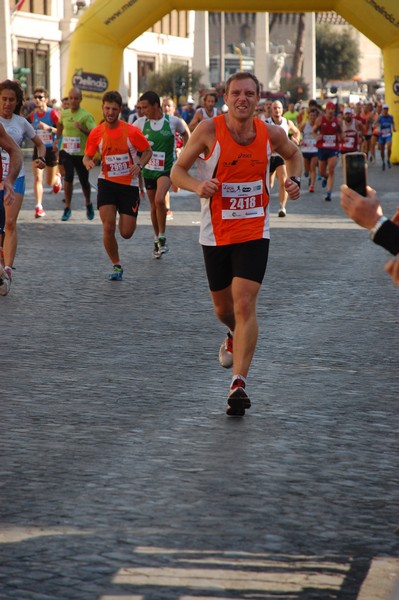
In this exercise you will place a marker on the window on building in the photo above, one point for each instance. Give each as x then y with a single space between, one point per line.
36 58
175 23
39 7
145 66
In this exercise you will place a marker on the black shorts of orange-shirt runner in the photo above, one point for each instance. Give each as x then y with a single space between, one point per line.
247 260
126 198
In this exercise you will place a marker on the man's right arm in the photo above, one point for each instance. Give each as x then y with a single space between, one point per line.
199 143
367 212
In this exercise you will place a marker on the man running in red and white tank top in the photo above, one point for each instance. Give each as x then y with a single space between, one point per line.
327 131
352 132
232 152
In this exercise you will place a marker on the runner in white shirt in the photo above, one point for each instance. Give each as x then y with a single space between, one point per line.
11 99
277 163
309 148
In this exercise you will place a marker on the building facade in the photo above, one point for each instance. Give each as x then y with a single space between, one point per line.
37 36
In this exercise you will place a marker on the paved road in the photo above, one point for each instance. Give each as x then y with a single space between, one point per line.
122 478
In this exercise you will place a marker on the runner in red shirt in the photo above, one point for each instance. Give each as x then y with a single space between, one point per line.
352 131
327 131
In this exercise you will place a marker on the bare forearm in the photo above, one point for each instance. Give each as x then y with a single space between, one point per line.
181 178
295 164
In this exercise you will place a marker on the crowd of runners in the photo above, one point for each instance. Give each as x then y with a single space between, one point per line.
238 151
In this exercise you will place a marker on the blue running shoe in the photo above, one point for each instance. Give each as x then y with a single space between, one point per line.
324 182
117 274
66 215
90 211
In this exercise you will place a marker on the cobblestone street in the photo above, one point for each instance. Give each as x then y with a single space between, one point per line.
121 477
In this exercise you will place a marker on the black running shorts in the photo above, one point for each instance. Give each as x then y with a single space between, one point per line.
126 198
51 157
247 260
72 163
151 184
276 161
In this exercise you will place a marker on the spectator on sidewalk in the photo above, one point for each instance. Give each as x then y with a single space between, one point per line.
367 212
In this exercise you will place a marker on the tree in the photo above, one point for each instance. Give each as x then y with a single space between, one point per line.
296 88
337 54
297 63
175 81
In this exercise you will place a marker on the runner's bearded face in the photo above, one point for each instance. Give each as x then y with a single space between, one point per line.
111 111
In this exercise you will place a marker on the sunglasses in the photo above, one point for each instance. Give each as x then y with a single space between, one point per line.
39 97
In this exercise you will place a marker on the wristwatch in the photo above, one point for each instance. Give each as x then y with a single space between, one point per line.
296 180
140 166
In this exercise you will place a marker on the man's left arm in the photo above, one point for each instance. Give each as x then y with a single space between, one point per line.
86 125
293 159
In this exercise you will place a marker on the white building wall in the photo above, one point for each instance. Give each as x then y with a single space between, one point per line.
56 31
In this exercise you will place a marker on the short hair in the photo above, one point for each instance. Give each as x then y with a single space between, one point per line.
243 75
151 97
15 86
211 94
168 99
41 90
113 96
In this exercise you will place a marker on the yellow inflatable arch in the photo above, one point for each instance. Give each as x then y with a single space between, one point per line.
106 28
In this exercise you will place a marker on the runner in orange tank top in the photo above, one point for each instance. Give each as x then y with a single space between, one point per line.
124 152
232 155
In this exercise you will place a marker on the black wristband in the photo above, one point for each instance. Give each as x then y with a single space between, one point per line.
42 158
296 180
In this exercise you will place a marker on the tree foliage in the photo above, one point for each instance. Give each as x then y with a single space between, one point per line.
296 87
175 80
337 54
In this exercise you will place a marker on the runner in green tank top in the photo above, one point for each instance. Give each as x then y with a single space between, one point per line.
160 131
